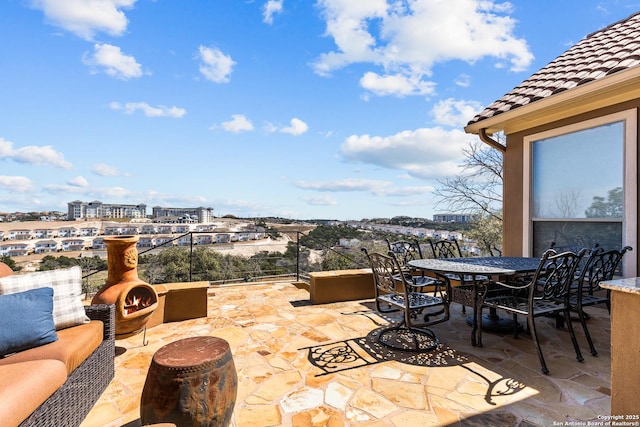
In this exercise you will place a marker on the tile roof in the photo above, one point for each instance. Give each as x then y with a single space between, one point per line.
600 54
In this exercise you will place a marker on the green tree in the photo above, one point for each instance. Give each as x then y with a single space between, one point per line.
325 236
291 256
50 262
339 260
487 232
170 265
94 263
611 207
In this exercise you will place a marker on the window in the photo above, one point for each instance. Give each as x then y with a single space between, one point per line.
582 188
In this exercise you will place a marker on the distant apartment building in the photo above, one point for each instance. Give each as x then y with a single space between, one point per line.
73 245
146 242
43 233
99 210
21 234
46 246
89 231
98 243
450 217
14 249
199 214
67 232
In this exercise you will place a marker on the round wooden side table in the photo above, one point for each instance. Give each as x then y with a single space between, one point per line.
191 382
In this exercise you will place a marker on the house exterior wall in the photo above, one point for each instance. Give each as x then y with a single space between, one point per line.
513 226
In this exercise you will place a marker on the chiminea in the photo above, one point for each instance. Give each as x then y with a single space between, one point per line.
134 299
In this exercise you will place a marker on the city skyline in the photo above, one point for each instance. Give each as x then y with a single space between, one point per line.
331 109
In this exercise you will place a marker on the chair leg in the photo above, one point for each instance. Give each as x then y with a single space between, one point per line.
389 309
515 325
581 315
567 317
534 334
478 319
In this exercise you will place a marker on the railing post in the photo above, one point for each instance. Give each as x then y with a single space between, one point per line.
191 257
297 256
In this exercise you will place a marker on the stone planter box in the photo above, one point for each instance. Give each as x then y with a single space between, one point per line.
341 285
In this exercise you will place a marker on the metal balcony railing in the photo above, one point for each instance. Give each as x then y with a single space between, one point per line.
237 258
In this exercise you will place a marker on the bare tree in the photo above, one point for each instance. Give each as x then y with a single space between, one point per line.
478 189
566 204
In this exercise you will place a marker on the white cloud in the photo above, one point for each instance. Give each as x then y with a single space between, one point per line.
396 84
78 181
296 127
113 193
68 188
320 201
102 169
113 61
422 153
86 17
215 66
148 110
271 8
16 184
403 191
463 80
347 25
158 198
454 113
375 187
408 38
370 185
35 155
238 123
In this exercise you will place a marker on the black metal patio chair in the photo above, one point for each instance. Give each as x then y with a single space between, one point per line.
600 266
464 287
391 294
446 248
405 251
546 293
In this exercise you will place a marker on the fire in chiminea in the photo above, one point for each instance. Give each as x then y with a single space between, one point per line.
138 298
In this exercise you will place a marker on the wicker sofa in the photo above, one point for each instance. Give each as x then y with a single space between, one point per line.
81 386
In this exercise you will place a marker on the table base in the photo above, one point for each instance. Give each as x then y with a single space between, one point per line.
495 323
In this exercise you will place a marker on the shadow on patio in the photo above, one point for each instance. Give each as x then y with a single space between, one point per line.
319 365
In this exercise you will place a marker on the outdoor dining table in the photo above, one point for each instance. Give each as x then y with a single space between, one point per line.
473 267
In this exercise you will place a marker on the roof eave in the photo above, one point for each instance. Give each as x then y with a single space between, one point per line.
619 87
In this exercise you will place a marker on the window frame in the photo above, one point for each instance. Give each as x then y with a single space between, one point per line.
629 118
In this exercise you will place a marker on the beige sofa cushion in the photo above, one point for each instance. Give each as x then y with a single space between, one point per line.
74 345
25 386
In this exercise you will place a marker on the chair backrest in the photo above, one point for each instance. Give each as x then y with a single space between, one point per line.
573 248
555 274
601 265
576 247
405 250
384 269
445 249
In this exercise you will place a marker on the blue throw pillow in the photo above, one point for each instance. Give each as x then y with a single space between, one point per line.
26 320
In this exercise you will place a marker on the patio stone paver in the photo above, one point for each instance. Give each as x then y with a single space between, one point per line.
306 365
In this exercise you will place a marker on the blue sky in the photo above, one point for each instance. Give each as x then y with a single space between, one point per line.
338 109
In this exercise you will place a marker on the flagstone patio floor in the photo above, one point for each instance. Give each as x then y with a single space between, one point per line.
317 365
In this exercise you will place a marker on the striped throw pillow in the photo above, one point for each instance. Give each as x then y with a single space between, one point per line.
68 309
